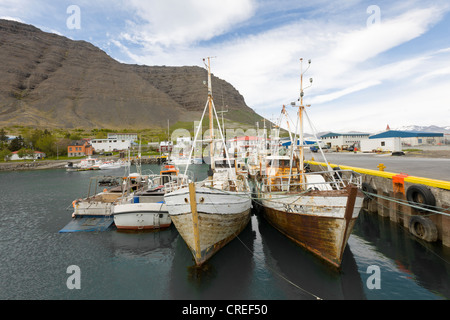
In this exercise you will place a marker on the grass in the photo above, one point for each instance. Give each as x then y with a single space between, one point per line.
413 150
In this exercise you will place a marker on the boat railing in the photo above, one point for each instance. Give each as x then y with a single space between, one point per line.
177 181
240 184
319 180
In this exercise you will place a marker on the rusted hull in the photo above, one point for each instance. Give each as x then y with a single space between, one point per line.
214 231
322 230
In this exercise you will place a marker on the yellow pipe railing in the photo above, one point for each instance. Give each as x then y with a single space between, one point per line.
411 179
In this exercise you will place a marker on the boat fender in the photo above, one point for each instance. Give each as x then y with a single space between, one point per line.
423 228
368 190
420 195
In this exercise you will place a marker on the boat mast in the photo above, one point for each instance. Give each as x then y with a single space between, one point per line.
300 118
211 122
300 115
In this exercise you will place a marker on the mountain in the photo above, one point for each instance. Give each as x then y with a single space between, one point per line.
434 129
51 81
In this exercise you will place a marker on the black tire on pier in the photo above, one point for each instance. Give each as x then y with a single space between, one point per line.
421 196
423 228
367 190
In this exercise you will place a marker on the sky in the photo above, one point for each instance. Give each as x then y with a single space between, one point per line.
373 63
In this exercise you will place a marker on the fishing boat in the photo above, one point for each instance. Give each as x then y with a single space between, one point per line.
86 164
110 165
317 210
145 209
104 192
210 213
95 212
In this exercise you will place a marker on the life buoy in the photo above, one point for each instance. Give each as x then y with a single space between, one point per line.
423 228
420 195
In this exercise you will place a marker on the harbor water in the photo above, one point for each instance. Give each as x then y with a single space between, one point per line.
382 260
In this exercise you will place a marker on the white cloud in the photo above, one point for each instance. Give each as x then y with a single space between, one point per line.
258 44
336 95
12 19
181 22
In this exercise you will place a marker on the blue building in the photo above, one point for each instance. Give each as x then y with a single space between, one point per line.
412 138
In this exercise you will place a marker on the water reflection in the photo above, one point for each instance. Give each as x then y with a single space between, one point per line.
411 268
260 264
309 277
135 244
226 275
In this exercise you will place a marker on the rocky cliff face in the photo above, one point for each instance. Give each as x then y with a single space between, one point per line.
51 81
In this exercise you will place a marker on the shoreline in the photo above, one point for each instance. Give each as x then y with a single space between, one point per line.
32 165
52 164
442 153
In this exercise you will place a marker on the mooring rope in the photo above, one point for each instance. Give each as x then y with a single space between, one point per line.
273 270
406 203
277 273
420 241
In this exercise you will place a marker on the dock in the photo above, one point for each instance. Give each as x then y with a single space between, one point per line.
421 205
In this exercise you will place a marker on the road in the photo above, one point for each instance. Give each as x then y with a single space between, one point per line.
433 168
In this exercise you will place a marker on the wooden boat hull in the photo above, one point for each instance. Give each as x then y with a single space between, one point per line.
319 221
214 231
221 216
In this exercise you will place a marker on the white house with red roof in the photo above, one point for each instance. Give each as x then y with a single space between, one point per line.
35 155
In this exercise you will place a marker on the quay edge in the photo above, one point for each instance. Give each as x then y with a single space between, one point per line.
390 199
60 164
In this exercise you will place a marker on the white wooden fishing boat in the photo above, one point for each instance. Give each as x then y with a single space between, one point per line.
211 213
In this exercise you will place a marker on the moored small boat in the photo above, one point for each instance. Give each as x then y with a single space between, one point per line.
141 216
145 208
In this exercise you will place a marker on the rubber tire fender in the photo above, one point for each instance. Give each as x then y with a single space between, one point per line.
420 195
423 228
366 187
337 175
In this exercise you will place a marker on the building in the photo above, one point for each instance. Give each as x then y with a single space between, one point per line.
32 155
412 138
244 145
123 136
110 144
392 144
165 146
343 140
80 148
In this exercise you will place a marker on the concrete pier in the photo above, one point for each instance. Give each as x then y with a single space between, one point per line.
386 195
